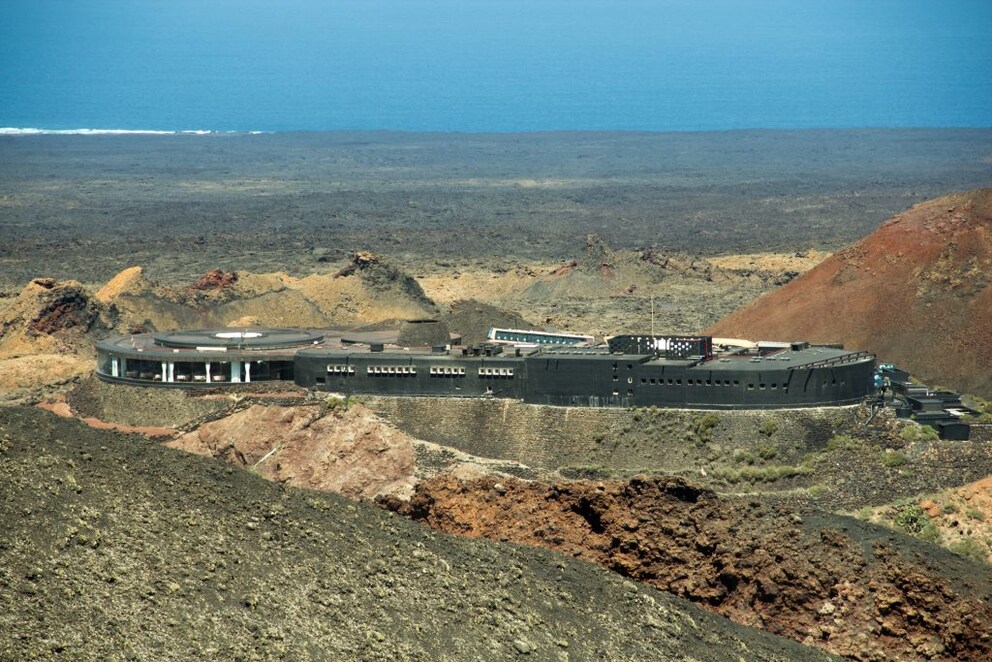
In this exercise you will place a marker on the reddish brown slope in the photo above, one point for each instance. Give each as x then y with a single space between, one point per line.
824 580
917 292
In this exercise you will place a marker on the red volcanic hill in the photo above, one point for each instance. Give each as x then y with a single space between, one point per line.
917 292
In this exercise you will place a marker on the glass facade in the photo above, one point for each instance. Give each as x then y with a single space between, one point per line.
190 371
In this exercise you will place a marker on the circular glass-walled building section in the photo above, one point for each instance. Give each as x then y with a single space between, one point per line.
203 357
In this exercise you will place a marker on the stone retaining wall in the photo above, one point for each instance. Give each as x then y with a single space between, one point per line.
621 439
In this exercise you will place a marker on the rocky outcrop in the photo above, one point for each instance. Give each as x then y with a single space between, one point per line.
46 336
370 290
130 281
601 271
351 452
423 333
48 316
472 319
215 279
917 292
828 581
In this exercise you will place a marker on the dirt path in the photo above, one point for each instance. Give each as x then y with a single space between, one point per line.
60 407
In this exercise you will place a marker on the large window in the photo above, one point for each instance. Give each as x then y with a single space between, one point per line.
149 371
263 371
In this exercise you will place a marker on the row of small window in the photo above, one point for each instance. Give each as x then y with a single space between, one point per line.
411 370
709 382
496 372
540 339
447 372
392 370
691 382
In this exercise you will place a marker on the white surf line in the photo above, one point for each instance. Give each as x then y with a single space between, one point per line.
29 131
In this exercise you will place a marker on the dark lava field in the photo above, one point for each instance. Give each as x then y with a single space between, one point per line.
84 207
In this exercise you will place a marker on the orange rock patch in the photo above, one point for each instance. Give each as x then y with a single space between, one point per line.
353 453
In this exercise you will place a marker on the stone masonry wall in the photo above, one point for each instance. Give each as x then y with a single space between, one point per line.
615 439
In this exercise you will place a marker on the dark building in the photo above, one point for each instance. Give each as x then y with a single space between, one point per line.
638 371
796 375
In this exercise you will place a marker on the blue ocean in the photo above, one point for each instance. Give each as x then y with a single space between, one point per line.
487 65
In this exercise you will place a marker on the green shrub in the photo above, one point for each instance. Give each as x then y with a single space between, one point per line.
335 403
975 514
950 508
819 490
971 548
743 457
844 442
930 533
766 451
702 424
894 459
914 521
917 432
731 476
768 427
909 433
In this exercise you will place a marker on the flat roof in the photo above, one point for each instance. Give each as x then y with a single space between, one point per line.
785 358
261 343
238 338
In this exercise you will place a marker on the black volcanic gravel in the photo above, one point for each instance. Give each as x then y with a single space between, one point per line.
114 547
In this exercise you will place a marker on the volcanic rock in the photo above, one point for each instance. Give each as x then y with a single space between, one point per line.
46 336
472 319
351 452
832 582
369 289
598 272
360 260
601 271
917 292
116 547
215 280
47 316
423 333
373 292
129 281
